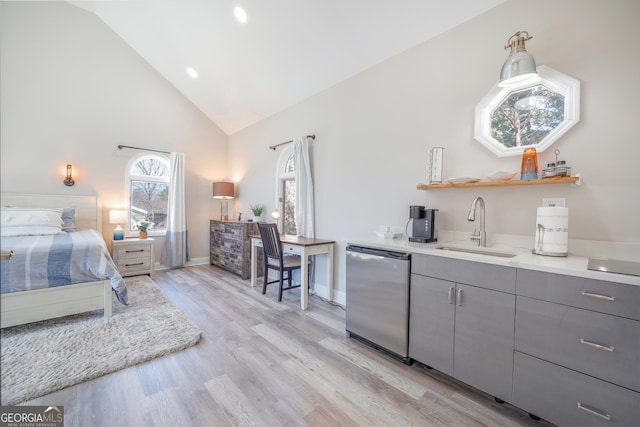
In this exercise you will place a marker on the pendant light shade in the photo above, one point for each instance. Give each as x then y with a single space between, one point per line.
520 65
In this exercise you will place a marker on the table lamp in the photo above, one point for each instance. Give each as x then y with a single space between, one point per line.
223 191
118 216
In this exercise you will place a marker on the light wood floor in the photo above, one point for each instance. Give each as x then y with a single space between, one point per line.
264 363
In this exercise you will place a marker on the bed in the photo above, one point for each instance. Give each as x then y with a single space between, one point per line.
27 296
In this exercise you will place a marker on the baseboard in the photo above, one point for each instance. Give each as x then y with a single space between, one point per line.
339 297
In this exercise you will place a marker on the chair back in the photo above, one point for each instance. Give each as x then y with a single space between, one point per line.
270 241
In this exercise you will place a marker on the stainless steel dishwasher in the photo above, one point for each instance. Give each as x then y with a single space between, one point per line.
378 298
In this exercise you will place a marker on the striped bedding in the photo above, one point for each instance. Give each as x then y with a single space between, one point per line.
56 260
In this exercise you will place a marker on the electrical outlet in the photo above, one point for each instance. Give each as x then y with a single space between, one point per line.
560 202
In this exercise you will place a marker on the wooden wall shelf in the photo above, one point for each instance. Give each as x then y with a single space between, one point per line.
557 180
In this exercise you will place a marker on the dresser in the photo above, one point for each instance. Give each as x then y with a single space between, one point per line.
134 257
230 246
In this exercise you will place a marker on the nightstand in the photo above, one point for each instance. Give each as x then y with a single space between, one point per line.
133 256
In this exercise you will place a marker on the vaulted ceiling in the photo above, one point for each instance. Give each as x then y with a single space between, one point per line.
286 51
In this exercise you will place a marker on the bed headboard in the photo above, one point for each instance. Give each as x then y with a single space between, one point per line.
88 210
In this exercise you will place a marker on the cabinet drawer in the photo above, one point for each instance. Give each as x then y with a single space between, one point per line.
601 345
566 397
142 251
490 276
129 267
598 295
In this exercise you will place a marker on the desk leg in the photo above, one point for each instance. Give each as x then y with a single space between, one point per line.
254 262
304 279
330 272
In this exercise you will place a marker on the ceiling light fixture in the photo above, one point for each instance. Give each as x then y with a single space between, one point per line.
240 14
192 73
520 65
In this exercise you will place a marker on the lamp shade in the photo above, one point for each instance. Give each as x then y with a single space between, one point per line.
117 216
223 190
520 65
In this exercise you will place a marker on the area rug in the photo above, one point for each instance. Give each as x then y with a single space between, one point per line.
42 357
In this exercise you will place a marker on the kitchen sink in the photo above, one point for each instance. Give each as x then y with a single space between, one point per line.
479 251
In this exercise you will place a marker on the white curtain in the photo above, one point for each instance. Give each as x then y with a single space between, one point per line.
176 244
305 213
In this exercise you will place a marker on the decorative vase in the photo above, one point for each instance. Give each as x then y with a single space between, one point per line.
143 234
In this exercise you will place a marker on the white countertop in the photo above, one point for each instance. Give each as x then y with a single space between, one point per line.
573 265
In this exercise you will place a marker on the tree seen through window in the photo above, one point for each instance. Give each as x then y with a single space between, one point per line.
149 192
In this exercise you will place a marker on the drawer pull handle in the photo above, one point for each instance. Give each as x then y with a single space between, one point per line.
451 295
137 250
598 296
594 345
131 265
459 297
594 412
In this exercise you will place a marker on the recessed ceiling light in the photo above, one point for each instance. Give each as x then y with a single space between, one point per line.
192 73
240 14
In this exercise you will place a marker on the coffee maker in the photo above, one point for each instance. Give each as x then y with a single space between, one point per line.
424 224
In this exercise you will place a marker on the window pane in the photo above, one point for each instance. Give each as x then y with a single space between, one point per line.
149 202
289 217
150 167
527 116
290 166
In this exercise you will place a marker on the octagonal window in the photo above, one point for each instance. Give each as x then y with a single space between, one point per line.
530 114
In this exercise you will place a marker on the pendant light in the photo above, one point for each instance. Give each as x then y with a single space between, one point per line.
520 65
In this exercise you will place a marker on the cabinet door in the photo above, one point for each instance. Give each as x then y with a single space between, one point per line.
569 398
484 339
431 322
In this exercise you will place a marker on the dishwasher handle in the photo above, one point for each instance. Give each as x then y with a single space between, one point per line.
378 252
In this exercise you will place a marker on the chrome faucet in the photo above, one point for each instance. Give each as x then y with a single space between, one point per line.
481 237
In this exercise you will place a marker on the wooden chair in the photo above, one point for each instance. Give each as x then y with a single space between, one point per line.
274 259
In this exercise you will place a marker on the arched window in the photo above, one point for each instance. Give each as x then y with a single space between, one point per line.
147 188
286 191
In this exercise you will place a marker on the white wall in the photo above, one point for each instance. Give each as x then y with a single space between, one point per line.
72 90
375 129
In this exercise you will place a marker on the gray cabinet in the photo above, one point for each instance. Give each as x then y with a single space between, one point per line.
431 322
577 342
569 398
483 355
463 329
596 344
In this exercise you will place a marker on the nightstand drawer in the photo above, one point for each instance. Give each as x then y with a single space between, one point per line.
135 251
130 267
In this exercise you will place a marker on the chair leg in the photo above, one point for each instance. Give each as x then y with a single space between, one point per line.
266 278
281 285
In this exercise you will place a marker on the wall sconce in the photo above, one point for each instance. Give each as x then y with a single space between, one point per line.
520 65
118 216
223 191
68 181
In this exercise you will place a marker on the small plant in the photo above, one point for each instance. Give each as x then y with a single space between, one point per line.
256 209
144 225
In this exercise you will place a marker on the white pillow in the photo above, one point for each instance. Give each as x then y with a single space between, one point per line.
30 221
